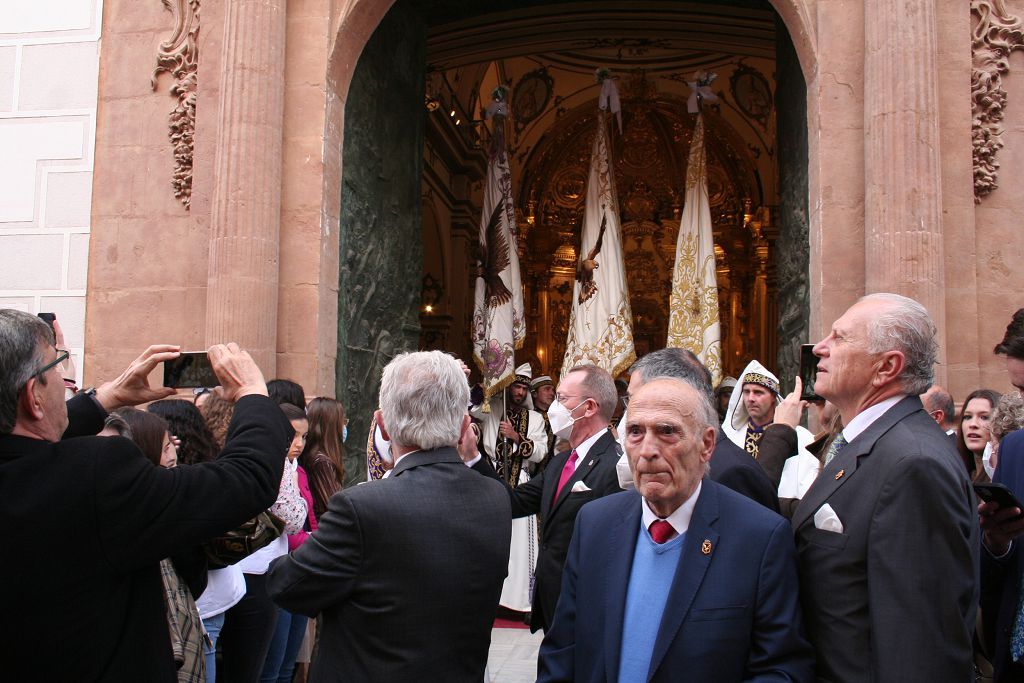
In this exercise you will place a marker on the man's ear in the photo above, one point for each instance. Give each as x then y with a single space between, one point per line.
28 404
890 367
379 418
466 421
708 444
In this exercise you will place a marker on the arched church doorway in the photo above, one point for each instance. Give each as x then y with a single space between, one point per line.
413 164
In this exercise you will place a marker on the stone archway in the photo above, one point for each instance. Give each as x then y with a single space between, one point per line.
358 32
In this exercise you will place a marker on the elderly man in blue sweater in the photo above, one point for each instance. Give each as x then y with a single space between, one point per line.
681 578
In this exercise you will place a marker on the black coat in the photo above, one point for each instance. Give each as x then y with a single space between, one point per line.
407 571
731 466
89 520
558 517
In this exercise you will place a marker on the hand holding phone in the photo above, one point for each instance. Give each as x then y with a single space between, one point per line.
1000 495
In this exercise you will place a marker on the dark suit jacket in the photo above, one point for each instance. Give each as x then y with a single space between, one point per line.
732 614
557 517
732 467
407 571
1001 578
89 519
894 596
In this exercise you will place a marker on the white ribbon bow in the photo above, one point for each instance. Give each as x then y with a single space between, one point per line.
608 100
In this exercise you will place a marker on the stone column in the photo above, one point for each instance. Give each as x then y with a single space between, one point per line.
902 170
241 299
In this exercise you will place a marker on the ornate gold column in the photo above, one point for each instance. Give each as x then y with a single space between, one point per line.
242 280
902 171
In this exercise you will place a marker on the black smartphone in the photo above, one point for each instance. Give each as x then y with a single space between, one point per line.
190 369
808 373
999 494
49 318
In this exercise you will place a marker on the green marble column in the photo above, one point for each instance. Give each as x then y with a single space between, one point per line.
381 242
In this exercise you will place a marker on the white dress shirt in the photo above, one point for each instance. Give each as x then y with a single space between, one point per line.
680 517
866 417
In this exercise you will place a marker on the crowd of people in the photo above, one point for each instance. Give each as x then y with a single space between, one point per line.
656 528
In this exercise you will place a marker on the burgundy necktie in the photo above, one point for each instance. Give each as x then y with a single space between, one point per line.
567 472
661 531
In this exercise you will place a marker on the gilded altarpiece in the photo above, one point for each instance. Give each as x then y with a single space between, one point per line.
650 162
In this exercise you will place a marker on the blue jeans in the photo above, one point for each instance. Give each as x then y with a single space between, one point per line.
213 625
284 647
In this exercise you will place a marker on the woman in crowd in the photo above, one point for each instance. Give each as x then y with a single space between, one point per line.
189 427
1007 417
225 587
291 628
217 412
283 391
323 456
249 625
184 575
972 434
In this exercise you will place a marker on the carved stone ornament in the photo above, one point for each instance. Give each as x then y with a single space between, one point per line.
995 35
179 57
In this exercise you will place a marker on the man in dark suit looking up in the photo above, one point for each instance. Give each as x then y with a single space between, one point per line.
886 536
584 404
407 570
685 581
90 518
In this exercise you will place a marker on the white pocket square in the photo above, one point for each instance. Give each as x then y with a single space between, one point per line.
826 519
579 487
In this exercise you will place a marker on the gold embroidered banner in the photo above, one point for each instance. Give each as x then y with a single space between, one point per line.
499 325
601 323
693 319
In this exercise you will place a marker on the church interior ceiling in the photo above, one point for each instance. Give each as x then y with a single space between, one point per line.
547 55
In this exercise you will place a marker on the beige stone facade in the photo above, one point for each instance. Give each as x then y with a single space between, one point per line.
255 255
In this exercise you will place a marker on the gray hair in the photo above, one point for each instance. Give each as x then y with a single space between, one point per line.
1007 416
681 364
906 327
21 336
600 386
423 398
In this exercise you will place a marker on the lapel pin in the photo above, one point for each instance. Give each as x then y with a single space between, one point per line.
839 474
589 464
705 547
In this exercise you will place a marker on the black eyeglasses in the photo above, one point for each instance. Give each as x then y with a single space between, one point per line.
61 357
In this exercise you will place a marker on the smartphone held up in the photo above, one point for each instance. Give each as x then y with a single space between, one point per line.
190 370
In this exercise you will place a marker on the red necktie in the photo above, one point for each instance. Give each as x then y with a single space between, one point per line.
661 531
567 472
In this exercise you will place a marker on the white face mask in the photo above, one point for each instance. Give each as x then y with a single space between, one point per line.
561 420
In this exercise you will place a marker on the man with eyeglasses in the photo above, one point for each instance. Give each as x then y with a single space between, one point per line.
89 518
583 406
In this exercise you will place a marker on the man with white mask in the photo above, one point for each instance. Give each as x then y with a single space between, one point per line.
583 406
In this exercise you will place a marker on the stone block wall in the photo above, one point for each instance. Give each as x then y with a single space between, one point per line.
49 57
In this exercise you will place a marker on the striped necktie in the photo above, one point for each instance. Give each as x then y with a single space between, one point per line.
837 445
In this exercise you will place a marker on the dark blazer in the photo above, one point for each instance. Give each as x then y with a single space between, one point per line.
894 596
732 614
89 519
557 517
732 467
407 571
1001 578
